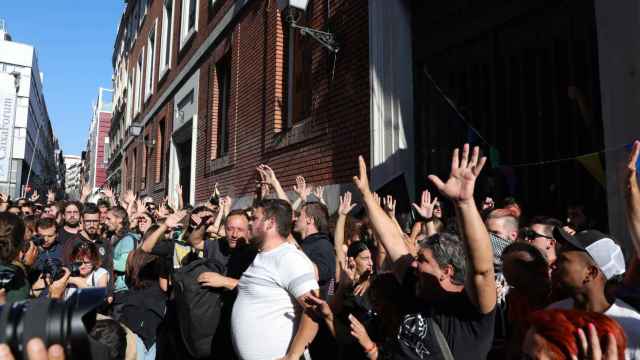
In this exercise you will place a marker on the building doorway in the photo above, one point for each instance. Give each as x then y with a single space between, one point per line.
183 151
526 77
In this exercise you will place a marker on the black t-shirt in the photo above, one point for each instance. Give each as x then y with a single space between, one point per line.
468 332
64 235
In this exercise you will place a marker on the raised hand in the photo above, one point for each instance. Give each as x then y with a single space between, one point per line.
376 198
179 189
347 274
345 204
225 204
129 197
389 205
590 348
426 205
86 191
4 197
172 220
35 196
464 172
362 181
301 188
51 196
108 192
267 174
318 191
139 205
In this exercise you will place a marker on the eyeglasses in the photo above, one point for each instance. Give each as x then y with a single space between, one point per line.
91 221
142 219
530 234
84 262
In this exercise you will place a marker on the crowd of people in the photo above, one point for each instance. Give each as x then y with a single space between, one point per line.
285 279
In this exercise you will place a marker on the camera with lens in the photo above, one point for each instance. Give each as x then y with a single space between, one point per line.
37 240
67 323
74 268
53 268
6 278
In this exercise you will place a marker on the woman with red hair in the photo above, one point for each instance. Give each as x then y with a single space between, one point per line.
571 334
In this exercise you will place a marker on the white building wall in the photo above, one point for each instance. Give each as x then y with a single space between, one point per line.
32 127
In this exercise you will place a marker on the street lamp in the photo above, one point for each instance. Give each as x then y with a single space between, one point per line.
135 129
326 39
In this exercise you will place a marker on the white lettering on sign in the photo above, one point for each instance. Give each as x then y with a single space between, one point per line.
7 113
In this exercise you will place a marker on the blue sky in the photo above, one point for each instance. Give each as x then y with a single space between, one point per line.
74 40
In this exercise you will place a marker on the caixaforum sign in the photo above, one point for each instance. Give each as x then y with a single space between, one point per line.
7 114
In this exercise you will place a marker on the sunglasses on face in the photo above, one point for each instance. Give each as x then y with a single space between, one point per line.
530 234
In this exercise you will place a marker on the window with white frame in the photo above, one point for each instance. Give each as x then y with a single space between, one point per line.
127 119
189 21
151 62
138 100
167 35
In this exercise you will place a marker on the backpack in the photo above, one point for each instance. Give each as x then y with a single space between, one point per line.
198 308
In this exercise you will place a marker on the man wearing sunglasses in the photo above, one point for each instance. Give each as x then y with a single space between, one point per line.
539 233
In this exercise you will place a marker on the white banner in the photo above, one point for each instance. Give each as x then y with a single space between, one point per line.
7 115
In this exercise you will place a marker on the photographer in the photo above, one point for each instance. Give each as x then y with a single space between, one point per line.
50 248
13 276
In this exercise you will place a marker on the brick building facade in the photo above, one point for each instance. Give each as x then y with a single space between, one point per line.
232 86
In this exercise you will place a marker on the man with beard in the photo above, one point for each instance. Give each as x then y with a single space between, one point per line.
90 232
449 304
268 320
237 254
71 217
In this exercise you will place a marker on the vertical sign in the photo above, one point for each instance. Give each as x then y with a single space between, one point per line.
7 114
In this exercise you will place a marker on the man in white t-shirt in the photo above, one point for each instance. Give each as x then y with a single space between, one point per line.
585 262
269 320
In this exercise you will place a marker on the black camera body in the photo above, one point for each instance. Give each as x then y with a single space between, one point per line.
53 267
67 323
6 278
37 240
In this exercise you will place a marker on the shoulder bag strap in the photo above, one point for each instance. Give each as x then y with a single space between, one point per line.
442 342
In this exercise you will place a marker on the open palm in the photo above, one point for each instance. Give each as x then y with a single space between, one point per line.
464 172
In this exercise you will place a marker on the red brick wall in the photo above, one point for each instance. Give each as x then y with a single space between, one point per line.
104 124
257 108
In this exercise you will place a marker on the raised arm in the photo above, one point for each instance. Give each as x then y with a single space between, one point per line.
386 230
480 284
85 192
633 197
180 197
268 176
338 237
302 190
170 222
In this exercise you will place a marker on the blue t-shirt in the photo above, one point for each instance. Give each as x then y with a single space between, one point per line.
120 255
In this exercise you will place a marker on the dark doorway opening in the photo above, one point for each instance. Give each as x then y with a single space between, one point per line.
183 151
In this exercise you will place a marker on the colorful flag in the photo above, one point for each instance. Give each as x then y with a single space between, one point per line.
592 163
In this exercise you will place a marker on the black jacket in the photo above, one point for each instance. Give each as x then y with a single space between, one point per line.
319 248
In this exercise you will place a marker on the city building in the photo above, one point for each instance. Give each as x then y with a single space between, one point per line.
94 171
73 166
204 91
216 88
27 142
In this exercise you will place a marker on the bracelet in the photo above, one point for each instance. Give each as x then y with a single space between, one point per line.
371 349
